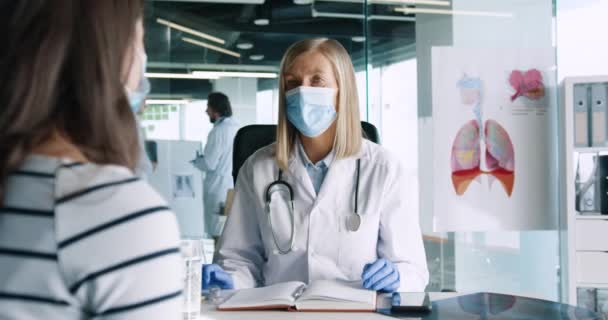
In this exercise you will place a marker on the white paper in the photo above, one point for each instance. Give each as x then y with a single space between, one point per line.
509 188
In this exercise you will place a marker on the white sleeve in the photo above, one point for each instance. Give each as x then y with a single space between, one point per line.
241 250
400 239
213 150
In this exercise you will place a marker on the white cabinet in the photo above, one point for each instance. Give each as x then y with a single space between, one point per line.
591 268
585 236
592 235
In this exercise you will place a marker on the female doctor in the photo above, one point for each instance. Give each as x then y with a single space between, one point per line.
348 220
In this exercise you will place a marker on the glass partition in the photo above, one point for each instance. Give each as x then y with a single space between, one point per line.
401 50
234 47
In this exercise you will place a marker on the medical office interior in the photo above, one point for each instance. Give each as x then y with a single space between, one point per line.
496 110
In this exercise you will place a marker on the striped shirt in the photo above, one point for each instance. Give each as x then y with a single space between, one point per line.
80 241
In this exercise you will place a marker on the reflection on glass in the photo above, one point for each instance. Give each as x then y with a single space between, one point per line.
491 306
390 50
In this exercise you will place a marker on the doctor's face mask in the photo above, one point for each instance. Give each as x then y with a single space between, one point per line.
311 94
311 110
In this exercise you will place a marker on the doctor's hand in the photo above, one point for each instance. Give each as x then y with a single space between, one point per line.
381 275
214 275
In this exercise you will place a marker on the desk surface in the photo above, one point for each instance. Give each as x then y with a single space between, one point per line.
486 306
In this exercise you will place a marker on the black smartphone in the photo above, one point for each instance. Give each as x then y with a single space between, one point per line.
410 302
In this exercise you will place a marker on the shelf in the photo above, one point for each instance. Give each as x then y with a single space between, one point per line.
592 285
592 217
590 149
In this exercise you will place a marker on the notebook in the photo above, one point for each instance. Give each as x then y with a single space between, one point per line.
322 295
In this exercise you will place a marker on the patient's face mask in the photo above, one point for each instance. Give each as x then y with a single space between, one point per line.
137 96
311 109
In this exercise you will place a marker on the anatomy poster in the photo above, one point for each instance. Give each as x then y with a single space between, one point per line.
492 124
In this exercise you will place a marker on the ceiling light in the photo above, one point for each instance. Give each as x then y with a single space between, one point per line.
256 57
302 2
167 101
414 2
177 76
261 22
212 47
358 39
190 31
456 12
234 74
244 45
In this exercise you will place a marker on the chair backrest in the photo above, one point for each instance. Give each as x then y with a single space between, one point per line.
250 139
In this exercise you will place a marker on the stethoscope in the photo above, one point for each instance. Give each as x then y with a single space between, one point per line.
353 222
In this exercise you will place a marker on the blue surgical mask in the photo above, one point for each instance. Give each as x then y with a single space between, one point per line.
137 97
311 109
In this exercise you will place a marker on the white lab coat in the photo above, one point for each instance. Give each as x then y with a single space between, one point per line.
216 162
325 249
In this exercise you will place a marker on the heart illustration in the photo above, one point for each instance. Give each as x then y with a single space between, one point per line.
528 84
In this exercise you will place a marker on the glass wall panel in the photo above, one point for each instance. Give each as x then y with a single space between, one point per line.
391 43
234 47
405 102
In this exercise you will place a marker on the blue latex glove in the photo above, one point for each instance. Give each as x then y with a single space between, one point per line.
214 275
381 275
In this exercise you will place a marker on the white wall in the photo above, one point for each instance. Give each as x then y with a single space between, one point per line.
582 45
195 121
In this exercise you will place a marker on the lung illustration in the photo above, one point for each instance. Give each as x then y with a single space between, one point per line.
500 155
466 156
467 162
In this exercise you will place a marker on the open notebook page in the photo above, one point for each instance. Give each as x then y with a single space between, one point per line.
274 296
336 295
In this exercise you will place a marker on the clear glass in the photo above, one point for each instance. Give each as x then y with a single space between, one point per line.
244 36
401 102
192 251
392 55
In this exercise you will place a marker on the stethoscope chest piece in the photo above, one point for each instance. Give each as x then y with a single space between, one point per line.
353 222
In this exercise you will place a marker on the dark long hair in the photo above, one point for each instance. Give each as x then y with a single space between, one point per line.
61 70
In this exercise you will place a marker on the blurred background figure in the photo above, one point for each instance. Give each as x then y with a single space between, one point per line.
216 160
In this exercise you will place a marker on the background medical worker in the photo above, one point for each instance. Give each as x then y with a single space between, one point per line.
216 160
318 149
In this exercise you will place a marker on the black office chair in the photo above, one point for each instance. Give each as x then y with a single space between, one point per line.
250 139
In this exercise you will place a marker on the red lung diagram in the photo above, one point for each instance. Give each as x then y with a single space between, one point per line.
466 156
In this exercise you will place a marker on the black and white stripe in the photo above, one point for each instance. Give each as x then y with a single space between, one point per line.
92 189
72 233
138 305
24 253
27 212
109 225
32 298
34 174
122 265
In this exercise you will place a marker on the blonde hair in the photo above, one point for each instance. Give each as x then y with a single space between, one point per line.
347 141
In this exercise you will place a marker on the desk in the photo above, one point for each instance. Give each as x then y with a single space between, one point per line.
483 306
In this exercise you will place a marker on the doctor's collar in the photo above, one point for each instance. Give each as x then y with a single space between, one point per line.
219 120
329 158
362 153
